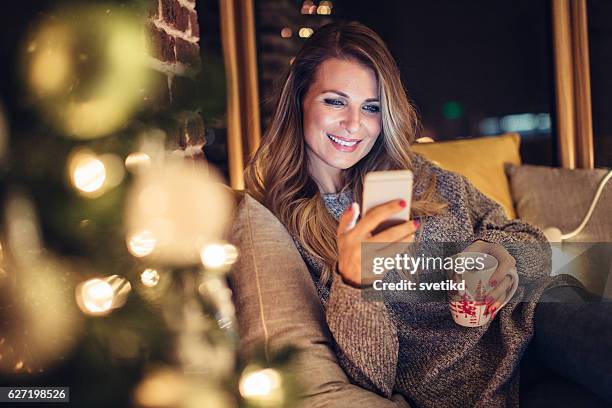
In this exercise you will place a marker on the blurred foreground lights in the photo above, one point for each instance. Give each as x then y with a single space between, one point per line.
149 277
141 243
286 32
182 206
87 172
40 322
262 387
306 32
324 10
137 162
86 68
308 7
97 296
93 175
164 387
217 255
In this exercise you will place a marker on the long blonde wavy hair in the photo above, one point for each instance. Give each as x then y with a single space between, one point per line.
278 175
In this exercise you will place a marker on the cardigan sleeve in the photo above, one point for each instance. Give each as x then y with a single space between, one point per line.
525 242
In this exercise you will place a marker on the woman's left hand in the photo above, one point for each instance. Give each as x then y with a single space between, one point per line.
500 282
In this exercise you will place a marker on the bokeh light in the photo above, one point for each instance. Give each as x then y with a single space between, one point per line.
213 256
141 243
306 32
307 7
149 277
87 172
183 205
96 296
137 162
217 255
86 68
286 32
262 386
323 10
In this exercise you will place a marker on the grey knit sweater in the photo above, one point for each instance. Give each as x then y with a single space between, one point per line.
415 348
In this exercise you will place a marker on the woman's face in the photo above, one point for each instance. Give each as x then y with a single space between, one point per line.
342 117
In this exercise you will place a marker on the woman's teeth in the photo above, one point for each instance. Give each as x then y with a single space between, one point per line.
342 142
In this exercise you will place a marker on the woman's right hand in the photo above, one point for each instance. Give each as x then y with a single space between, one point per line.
349 240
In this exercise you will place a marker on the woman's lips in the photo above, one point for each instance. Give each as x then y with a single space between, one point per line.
343 144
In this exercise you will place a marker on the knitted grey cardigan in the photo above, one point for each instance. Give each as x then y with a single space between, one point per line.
415 348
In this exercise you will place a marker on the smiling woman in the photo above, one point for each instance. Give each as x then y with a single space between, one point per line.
341 113
341 119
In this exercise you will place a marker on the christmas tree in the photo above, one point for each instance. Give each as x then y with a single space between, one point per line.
113 264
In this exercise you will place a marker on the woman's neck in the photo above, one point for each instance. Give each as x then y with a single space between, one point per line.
328 178
327 184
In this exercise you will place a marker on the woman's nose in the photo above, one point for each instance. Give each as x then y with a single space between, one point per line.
352 121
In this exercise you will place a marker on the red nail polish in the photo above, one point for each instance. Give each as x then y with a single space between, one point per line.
493 282
493 309
416 224
402 203
350 209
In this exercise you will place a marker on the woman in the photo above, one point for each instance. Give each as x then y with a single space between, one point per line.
341 113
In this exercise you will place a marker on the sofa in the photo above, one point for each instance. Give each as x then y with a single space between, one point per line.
276 301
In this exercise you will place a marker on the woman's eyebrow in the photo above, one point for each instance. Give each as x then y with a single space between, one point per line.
346 96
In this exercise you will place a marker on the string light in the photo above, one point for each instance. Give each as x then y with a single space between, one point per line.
306 32
213 256
307 7
99 296
324 10
286 32
137 162
231 254
96 296
149 277
216 255
262 386
141 243
87 172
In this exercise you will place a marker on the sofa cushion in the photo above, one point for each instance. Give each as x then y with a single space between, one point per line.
277 306
481 160
555 197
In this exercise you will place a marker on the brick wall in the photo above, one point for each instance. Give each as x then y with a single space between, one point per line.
175 59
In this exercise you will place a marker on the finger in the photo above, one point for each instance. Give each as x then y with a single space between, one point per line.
396 233
505 263
504 266
347 218
377 215
497 296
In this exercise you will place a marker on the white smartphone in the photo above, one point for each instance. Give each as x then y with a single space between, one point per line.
384 186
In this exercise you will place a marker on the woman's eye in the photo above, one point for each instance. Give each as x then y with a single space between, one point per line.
372 108
334 102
